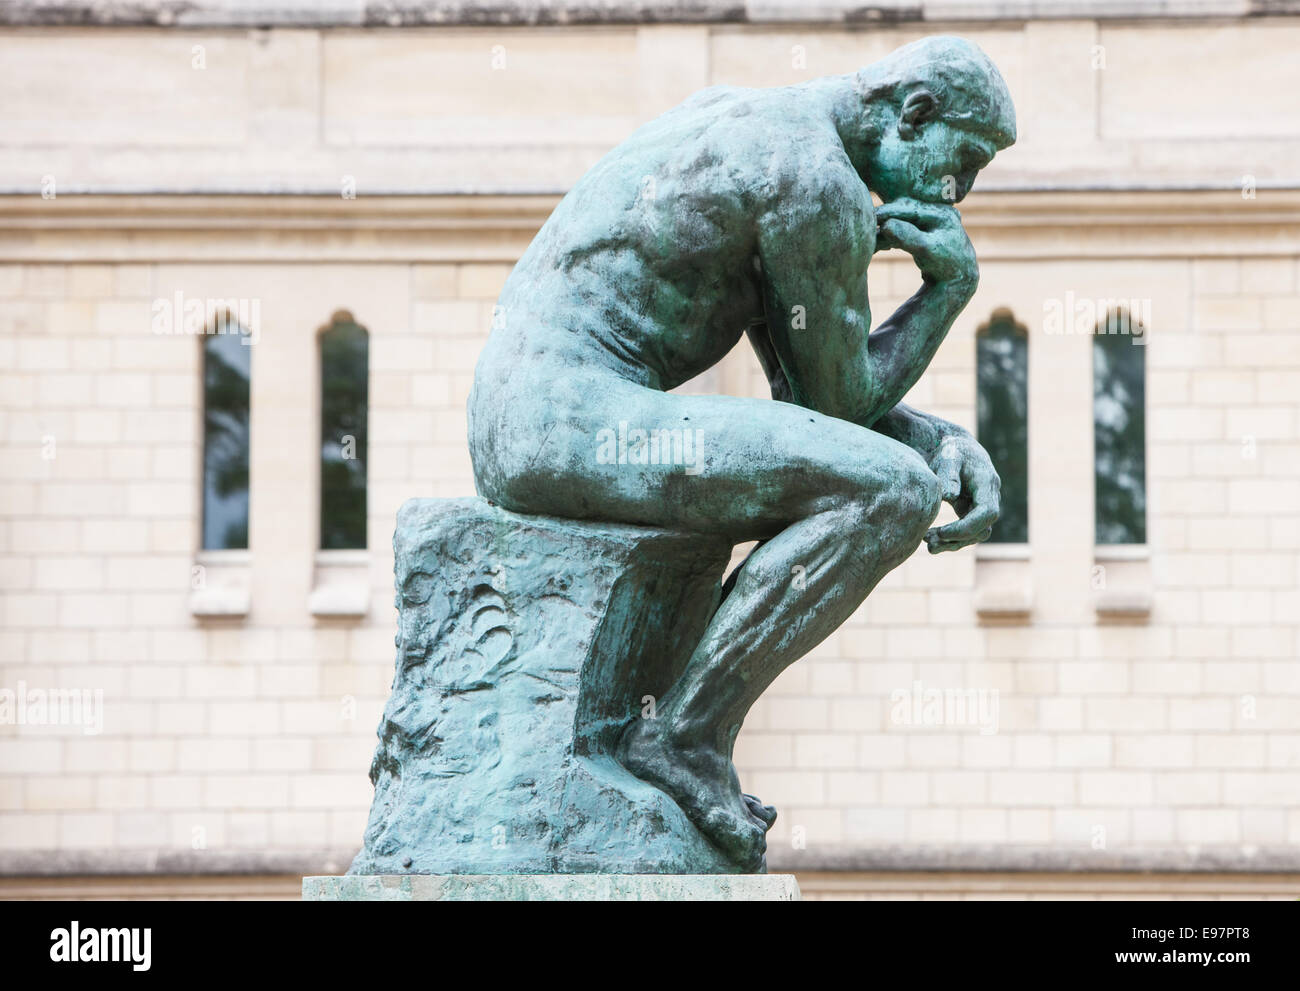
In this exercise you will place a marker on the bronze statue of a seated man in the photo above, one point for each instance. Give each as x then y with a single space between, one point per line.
749 211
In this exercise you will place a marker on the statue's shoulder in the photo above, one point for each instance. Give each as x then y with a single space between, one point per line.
812 171
782 102
736 119
715 96
777 130
817 202
779 110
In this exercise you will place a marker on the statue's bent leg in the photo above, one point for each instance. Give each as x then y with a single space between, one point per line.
790 594
837 507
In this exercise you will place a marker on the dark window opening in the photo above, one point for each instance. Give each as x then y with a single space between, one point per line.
1002 381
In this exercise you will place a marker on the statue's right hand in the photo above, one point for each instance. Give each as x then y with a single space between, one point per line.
932 233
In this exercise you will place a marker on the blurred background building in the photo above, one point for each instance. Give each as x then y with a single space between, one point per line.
195 558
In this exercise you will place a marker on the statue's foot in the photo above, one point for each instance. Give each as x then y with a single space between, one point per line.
767 813
704 784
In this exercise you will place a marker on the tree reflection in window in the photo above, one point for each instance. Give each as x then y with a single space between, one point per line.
1002 380
344 365
1119 430
227 364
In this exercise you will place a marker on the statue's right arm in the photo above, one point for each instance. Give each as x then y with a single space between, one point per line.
815 242
814 245
922 432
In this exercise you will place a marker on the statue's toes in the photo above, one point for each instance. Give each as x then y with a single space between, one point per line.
765 813
740 837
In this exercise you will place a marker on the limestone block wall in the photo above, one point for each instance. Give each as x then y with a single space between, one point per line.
1181 729
1148 737
1176 730
528 109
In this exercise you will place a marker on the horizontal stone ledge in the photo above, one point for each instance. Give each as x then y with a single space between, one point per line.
477 201
876 859
551 888
107 863
563 13
1007 225
1008 858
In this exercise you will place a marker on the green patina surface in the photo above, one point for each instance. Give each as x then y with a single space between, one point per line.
518 710
525 645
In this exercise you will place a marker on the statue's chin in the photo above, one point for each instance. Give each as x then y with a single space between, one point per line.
919 195
932 196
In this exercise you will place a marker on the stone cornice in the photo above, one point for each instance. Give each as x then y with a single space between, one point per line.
1009 858
1044 224
270 228
65 863
956 858
210 14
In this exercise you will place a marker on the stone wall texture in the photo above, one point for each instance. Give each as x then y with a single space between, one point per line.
1159 161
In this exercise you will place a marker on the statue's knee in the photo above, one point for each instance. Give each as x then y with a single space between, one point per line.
922 498
907 508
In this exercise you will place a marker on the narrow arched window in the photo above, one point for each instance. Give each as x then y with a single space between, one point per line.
344 396
1002 380
1119 429
227 366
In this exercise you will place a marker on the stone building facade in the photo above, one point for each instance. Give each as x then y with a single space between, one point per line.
1127 708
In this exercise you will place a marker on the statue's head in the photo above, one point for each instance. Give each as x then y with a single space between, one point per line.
939 111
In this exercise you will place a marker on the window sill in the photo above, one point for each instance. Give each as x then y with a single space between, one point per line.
341 584
1003 583
1121 582
220 584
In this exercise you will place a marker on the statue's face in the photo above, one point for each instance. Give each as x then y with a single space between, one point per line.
935 162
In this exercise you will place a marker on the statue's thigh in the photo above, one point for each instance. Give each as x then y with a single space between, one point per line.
750 467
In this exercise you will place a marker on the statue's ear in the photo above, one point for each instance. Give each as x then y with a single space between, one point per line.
919 107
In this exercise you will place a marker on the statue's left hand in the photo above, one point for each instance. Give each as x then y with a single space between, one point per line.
970 484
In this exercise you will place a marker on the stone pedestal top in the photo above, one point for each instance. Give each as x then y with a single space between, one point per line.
551 888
